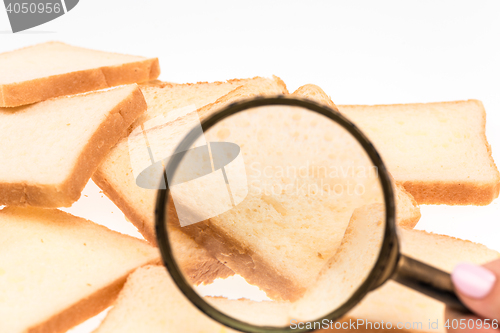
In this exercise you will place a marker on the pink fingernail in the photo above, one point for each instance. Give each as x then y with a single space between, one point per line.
473 281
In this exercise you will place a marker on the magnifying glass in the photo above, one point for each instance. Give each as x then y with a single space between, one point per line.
294 198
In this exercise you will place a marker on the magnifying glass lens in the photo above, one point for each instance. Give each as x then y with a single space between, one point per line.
289 201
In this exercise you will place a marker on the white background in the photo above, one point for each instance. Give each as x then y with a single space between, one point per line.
359 52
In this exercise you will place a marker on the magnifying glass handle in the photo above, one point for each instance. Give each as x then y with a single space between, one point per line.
429 281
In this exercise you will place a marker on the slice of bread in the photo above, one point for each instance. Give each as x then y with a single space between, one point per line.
116 178
57 270
50 149
54 69
267 238
437 151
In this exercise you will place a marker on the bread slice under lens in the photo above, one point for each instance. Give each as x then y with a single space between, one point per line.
116 178
57 270
53 69
50 149
437 151
267 237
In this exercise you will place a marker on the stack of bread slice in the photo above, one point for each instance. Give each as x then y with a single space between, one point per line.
54 143
57 270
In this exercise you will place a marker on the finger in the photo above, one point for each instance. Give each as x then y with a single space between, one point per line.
479 288
457 322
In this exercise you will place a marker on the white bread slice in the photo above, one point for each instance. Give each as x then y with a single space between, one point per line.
267 238
437 151
151 302
57 270
115 177
54 69
50 149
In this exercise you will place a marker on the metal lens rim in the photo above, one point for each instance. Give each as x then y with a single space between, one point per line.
388 245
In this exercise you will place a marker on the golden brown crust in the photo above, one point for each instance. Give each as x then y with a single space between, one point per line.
27 92
163 84
315 93
412 220
84 308
281 84
450 193
127 208
63 195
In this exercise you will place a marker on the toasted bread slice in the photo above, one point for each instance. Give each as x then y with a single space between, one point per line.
437 151
57 270
50 149
54 69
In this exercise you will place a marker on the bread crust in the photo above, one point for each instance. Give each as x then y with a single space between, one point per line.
411 221
85 308
64 194
451 193
458 193
81 310
27 92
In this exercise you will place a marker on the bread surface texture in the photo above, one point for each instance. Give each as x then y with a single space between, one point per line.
115 175
54 69
57 270
50 149
437 151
